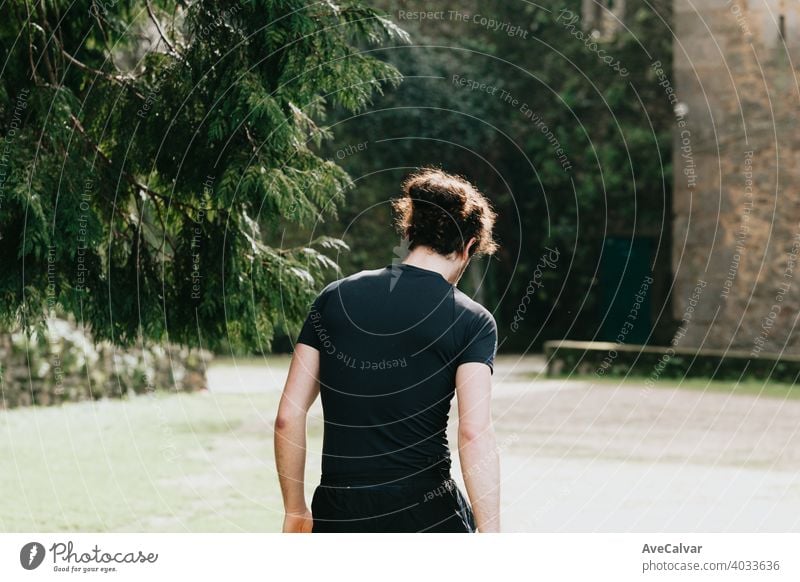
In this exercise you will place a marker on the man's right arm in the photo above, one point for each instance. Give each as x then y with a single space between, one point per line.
477 446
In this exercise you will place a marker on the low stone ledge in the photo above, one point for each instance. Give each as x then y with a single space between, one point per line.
567 357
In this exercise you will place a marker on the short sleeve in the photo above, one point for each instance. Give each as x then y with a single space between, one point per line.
481 341
313 331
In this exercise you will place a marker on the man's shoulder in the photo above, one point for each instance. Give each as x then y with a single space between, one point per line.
469 309
356 279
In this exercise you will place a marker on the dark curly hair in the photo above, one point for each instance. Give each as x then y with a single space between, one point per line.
443 212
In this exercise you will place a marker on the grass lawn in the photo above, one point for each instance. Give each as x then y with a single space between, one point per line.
171 462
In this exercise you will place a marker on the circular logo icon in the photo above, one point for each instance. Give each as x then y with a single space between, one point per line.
31 555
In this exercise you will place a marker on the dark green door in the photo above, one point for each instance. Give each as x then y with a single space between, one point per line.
625 288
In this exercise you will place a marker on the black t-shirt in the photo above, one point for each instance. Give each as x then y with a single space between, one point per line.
390 341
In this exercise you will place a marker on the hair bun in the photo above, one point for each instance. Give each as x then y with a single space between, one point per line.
442 211
436 188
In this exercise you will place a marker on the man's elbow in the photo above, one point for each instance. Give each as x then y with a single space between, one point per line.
473 433
288 419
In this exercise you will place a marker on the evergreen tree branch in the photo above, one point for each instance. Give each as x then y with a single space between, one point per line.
130 178
161 33
45 55
118 79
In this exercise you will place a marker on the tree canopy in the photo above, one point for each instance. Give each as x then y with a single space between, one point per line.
524 100
153 153
177 170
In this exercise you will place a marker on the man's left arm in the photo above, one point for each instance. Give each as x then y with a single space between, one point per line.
299 393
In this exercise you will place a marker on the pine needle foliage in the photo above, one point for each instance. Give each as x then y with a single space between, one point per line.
151 150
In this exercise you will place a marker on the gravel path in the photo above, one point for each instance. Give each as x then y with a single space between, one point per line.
578 456
584 457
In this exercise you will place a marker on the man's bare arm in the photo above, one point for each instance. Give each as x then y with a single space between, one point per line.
477 446
302 388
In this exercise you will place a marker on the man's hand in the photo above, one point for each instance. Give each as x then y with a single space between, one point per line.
298 522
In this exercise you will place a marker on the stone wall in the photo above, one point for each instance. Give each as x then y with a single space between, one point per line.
66 366
736 203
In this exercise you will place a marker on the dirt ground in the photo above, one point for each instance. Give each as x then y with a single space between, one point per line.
602 457
583 456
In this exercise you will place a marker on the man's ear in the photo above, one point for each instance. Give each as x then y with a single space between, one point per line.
470 243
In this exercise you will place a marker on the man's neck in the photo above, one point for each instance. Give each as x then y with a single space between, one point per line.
426 258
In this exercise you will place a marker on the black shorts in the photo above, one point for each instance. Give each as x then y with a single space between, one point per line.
410 505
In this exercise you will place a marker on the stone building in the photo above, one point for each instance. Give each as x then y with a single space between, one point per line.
736 204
